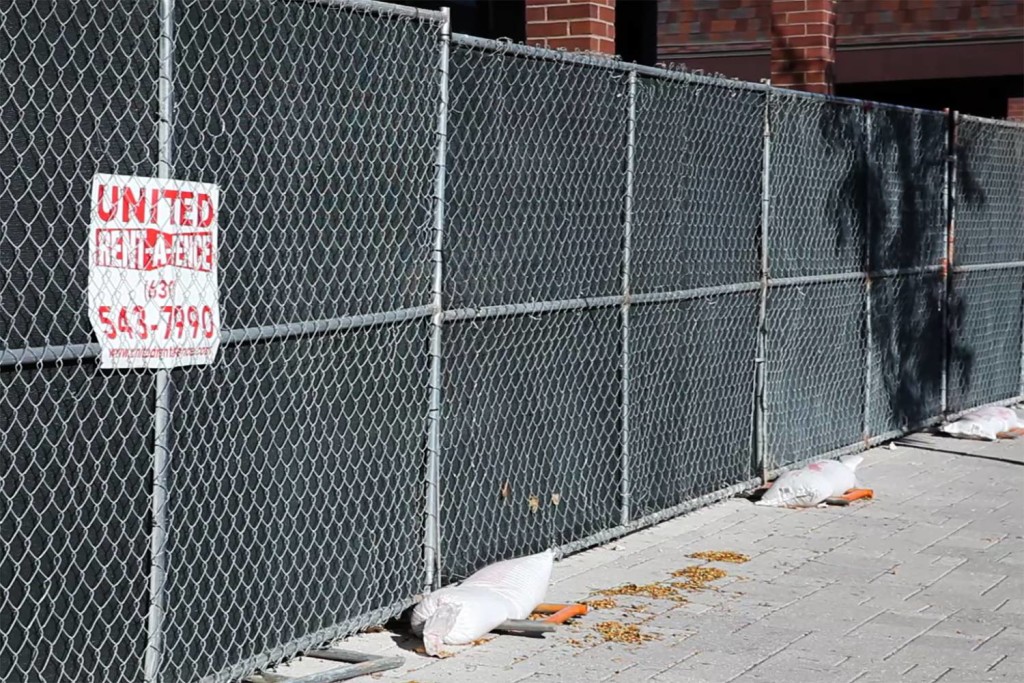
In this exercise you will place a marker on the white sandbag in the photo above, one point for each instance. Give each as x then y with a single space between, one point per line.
458 615
986 424
522 581
841 474
797 489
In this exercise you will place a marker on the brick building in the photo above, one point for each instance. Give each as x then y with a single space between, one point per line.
962 54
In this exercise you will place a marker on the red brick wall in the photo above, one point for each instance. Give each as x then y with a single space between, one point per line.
1015 109
572 24
803 44
687 26
894 21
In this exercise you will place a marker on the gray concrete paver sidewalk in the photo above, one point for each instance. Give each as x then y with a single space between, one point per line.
924 583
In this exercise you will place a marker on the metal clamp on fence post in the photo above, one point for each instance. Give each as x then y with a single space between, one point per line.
627 239
432 536
162 402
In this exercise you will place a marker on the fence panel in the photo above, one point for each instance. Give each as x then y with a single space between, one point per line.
816 369
696 221
988 265
985 337
906 247
76 98
299 519
697 209
691 423
818 170
530 429
530 436
296 475
535 187
990 208
907 356
816 339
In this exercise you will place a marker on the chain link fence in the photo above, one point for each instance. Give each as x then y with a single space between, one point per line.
987 256
319 122
856 261
78 96
530 422
478 300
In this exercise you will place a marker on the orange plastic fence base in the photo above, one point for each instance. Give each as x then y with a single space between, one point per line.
850 496
559 614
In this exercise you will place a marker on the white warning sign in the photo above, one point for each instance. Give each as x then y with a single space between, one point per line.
153 296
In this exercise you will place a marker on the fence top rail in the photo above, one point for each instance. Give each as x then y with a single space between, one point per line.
612 64
853 102
1016 125
599 62
383 8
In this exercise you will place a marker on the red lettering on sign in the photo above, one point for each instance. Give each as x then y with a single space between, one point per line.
185 208
128 205
204 207
149 249
107 212
133 205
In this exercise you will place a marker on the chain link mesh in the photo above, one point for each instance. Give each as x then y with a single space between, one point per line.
530 435
905 188
696 221
531 430
320 124
985 337
906 246
687 441
316 484
697 208
535 187
816 355
77 97
816 344
605 314
907 354
988 261
990 208
73 505
817 186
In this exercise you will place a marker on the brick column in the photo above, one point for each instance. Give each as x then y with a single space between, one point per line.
803 44
572 24
1015 109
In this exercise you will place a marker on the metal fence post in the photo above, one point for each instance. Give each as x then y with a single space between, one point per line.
947 270
627 240
868 333
162 400
947 210
432 536
1020 391
760 430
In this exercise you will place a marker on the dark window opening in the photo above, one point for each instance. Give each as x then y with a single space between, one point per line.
636 31
976 96
483 18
